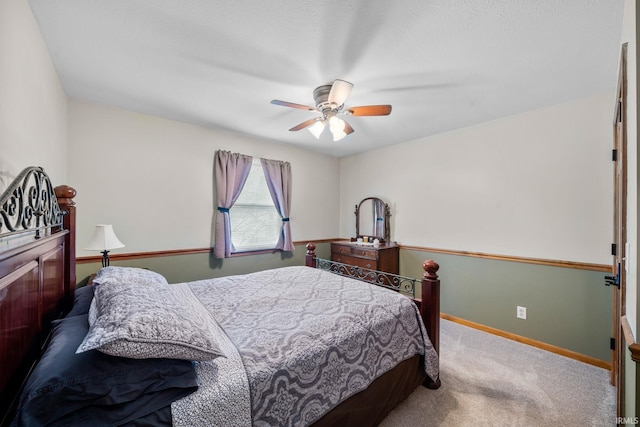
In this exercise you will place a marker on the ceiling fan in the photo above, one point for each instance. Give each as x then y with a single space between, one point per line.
330 103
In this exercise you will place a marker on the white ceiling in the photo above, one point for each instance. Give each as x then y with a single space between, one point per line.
441 64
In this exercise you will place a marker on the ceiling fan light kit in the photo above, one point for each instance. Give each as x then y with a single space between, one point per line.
317 128
337 127
330 100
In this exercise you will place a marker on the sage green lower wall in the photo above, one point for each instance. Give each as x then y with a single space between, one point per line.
566 307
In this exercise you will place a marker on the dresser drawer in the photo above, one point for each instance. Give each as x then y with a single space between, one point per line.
367 253
354 251
340 249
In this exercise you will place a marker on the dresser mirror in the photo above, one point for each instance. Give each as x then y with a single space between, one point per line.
372 219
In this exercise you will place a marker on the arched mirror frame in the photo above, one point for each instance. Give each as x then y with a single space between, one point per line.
387 213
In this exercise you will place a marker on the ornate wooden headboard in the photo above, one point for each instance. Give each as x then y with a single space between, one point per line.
37 274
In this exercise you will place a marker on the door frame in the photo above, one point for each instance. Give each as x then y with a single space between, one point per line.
619 266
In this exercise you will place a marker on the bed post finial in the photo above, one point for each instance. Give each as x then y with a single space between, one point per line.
430 268
310 258
431 300
65 195
430 309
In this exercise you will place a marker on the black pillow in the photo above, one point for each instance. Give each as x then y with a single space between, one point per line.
81 301
93 388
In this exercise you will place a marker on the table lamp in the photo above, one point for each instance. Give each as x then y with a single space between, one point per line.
103 240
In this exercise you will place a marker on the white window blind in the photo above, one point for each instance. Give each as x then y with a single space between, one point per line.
255 223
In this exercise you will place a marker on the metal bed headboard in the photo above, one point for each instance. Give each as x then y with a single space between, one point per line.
29 204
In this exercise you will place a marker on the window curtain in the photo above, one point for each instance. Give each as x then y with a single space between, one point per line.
232 170
278 176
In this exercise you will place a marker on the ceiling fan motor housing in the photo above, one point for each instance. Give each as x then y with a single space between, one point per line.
321 96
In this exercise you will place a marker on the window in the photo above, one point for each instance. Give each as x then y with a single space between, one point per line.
254 219
261 220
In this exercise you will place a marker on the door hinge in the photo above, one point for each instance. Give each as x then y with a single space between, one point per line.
619 111
614 249
614 155
612 343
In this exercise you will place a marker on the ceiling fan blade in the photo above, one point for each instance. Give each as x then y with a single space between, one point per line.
347 128
293 105
340 90
304 124
369 110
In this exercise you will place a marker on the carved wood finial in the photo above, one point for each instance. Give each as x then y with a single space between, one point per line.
311 249
65 195
310 257
430 268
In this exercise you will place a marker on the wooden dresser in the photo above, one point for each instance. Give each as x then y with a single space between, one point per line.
384 258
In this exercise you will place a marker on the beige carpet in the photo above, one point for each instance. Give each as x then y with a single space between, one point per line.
492 381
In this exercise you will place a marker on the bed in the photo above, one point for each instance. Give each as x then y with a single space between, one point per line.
227 332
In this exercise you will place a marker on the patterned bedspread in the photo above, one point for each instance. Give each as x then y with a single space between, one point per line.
309 339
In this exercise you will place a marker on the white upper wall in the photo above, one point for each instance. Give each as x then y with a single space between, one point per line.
536 185
152 178
33 111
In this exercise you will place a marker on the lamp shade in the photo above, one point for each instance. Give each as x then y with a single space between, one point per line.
104 239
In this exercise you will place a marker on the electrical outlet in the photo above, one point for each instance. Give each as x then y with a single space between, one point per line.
521 312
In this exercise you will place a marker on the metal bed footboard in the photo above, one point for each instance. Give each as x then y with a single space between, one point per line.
402 284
